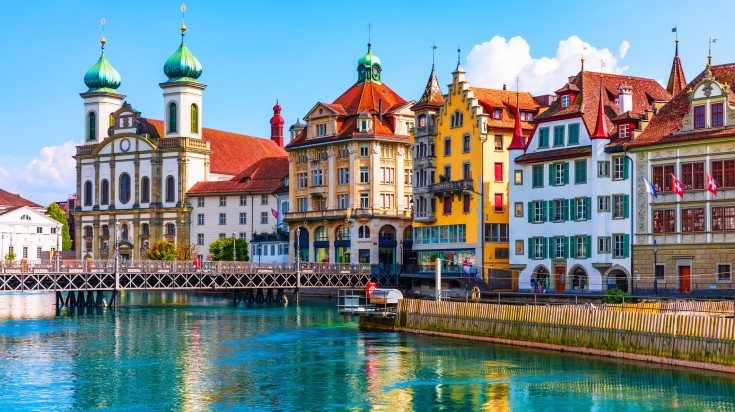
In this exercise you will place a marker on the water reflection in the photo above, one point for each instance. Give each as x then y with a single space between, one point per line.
164 351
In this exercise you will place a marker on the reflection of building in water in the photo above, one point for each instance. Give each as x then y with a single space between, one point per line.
27 306
386 367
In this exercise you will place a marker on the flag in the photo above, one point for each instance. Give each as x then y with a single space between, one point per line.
650 188
712 40
673 30
275 214
711 185
676 186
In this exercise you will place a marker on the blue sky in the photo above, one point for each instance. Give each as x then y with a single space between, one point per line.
304 52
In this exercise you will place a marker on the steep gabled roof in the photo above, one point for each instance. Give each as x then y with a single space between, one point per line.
432 96
490 99
231 152
677 81
11 200
265 175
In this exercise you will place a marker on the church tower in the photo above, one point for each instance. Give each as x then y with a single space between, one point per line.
277 125
182 94
101 100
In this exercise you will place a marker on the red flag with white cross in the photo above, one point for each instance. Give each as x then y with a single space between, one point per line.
275 214
711 185
676 186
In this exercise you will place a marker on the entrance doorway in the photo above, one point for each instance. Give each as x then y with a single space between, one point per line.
685 281
539 279
617 280
559 281
579 280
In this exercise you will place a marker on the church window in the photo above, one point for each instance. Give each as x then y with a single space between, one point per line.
698 117
194 118
105 188
124 188
172 116
716 114
145 190
92 126
124 232
88 193
170 189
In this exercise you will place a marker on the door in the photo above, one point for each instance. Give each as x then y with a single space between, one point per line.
685 283
560 281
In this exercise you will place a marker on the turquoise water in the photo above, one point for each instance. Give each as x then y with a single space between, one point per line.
169 352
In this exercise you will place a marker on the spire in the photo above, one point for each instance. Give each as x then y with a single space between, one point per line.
709 51
677 81
432 96
517 143
277 125
182 66
459 68
102 77
601 127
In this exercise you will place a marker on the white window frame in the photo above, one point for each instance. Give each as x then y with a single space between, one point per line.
603 244
603 204
617 246
603 168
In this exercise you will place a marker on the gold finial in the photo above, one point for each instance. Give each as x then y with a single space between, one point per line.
183 26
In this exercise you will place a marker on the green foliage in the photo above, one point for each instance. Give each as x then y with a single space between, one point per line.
55 212
161 250
221 249
185 251
615 296
10 257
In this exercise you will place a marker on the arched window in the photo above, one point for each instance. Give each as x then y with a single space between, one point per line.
194 118
112 119
88 231
92 121
124 232
124 188
105 230
342 233
170 229
145 229
87 193
105 189
363 232
145 190
170 189
387 232
172 116
321 234
408 234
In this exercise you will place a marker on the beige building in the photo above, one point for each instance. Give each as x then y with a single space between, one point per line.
350 175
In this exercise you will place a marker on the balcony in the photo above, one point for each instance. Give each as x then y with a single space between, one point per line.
425 130
426 162
183 142
424 217
315 215
365 214
418 190
452 186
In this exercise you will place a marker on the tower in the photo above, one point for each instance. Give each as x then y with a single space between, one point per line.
277 125
182 93
368 68
677 81
101 99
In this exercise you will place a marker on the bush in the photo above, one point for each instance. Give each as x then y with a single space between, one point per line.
615 296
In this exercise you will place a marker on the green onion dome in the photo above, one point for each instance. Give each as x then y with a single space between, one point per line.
102 77
368 59
182 66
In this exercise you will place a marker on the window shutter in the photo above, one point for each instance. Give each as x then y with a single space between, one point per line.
551 175
588 208
545 204
626 211
531 212
546 247
625 167
552 214
566 249
571 247
568 209
588 246
565 172
626 246
530 248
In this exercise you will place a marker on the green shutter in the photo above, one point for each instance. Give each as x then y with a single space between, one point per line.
588 246
588 208
565 172
566 249
626 246
625 167
530 212
626 212
530 248
571 247
551 174
552 212
574 133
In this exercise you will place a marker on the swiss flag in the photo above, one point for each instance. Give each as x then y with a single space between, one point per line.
676 186
275 214
711 185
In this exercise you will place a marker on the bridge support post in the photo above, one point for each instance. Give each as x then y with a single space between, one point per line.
112 298
80 298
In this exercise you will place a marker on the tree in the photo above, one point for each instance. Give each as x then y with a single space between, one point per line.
221 249
185 251
55 212
161 250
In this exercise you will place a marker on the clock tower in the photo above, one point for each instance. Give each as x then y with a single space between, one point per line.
368 68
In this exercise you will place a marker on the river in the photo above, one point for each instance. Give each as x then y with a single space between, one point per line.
185 352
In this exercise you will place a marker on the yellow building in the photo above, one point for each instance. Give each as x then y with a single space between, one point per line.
461 161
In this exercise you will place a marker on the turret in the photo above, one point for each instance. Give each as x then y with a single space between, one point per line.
277 125
677 81
101 99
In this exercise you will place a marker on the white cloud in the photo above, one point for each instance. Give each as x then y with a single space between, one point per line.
497 62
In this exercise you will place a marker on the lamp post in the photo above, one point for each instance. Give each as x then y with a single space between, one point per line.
234 247
58 254
655 267
298 251
117 257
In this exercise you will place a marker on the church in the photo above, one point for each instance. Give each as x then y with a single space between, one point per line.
133 173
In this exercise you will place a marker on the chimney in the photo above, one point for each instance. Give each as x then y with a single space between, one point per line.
625 98
503 86
380 110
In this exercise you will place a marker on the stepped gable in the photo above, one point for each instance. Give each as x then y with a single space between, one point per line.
12 200
265 175
665 124
587 100
231 152
490 99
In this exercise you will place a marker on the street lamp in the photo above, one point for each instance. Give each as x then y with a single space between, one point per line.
58 255
655 267
482 227
298 232
234 247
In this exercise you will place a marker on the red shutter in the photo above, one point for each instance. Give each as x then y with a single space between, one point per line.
498 172
498 202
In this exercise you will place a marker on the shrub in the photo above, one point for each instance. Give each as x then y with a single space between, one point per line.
615 296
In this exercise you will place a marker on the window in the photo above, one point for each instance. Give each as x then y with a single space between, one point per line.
502 253
92 129
447 146
692 176
263 199
565 100
243 218
53 230
498 113
603 244
660 272
498 204
558 174
582 207
543 137
243 200
624 131
263 218
661 178
145 190
343 201
716 114
448 172
364 203
105 192
465 143
387 175
200 239
496 232
364 152
386 151
222 218
303 180
621 208
537 207
620 168
407 177
498 172
200 219
620 245
316 177
194 118
321 129
518 206
538 175
664 220
558 135
39 229
580 171
692 220
573 130
170 189
301 157
363 232
538 248
559 243
125 188
170 229
145 229
38 253
25 252
343 151
519 247
723 171
386 200
302 204
583 246
498 143
343 176
603 203
364 175
723 218
724 272
223 200
518 177
465 204
603 168
560 212
172 116
698 117
456 119
466 172
447 202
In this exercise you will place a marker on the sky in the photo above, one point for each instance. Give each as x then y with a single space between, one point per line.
304 52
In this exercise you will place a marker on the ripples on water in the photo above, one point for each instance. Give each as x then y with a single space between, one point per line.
163 351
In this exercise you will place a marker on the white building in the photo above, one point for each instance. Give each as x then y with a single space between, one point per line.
28 232
571 215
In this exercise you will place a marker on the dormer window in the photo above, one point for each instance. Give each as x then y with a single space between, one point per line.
716 114
321 129
699 117
364 122
526 116
624 131
565 100
498 114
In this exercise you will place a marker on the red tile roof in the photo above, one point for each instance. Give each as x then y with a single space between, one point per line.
8 200
490 99
265 175
677 81
231 152
585 104
668 120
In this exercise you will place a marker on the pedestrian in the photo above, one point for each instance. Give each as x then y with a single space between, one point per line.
533 285
546 285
